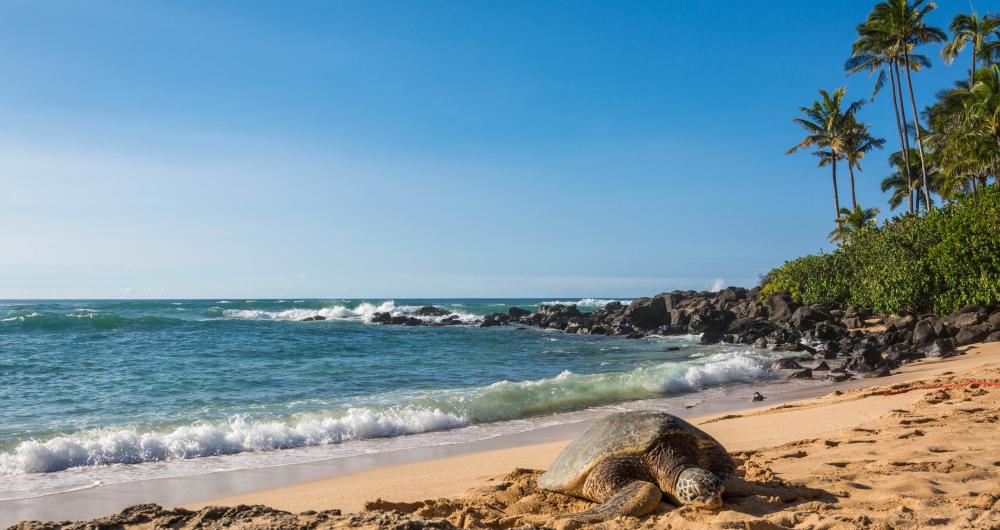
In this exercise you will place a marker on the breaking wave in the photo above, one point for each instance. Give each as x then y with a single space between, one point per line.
587 302
433 411
363 312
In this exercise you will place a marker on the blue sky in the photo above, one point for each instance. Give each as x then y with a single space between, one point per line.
402 149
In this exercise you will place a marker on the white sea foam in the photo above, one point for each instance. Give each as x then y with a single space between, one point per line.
433 411
363 312
587 302
128 446
21 318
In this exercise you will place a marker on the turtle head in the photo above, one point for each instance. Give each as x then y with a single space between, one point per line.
699 488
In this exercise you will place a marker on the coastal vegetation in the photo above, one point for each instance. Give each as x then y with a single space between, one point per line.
943 251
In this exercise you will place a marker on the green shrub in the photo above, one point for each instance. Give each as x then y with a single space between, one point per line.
942 261
810 279
966 262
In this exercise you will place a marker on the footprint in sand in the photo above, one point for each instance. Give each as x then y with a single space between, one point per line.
937 397
916 432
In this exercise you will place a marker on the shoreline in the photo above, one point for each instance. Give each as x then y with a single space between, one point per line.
410 475
198 489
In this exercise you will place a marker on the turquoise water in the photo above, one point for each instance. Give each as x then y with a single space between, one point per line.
88 384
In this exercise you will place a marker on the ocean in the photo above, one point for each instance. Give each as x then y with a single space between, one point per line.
99 392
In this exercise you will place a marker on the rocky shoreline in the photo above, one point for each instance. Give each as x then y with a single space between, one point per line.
860 342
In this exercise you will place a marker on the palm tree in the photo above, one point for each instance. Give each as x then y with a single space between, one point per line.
874 51
852 221
901 187
966 29
902 27
824 122
858 142
964 132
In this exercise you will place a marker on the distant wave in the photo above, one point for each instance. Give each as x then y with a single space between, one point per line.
435 411
363 312
84 318
587 302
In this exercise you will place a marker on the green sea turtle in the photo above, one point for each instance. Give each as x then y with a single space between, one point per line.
628 460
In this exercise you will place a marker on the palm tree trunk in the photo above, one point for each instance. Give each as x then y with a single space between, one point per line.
904 138
972 73
854 200
836 195
975 188
916 125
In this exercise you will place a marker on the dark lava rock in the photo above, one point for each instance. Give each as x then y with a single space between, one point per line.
729 295
757 396
806 317
971 333
923 332
901 321
314 318
964 320
902 353
760 343
788 363
825 331
559 310
804 373
494 319
853 322
648 313
711 338
517 312
881 371
710 320
994 321
940 348
870 355
781 307
794 347
822 366
838 376
382 318
993 337
431 311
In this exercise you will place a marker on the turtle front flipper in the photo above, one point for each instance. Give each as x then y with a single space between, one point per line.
634 499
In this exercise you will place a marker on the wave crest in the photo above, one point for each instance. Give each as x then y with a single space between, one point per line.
239 434
433 411
363 312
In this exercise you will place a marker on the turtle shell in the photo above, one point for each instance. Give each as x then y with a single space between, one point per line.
623 433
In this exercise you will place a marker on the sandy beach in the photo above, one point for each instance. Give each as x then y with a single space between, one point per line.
913 450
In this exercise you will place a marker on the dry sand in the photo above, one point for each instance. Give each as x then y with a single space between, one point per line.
923 457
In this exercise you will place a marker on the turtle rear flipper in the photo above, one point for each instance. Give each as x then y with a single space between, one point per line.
635 499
